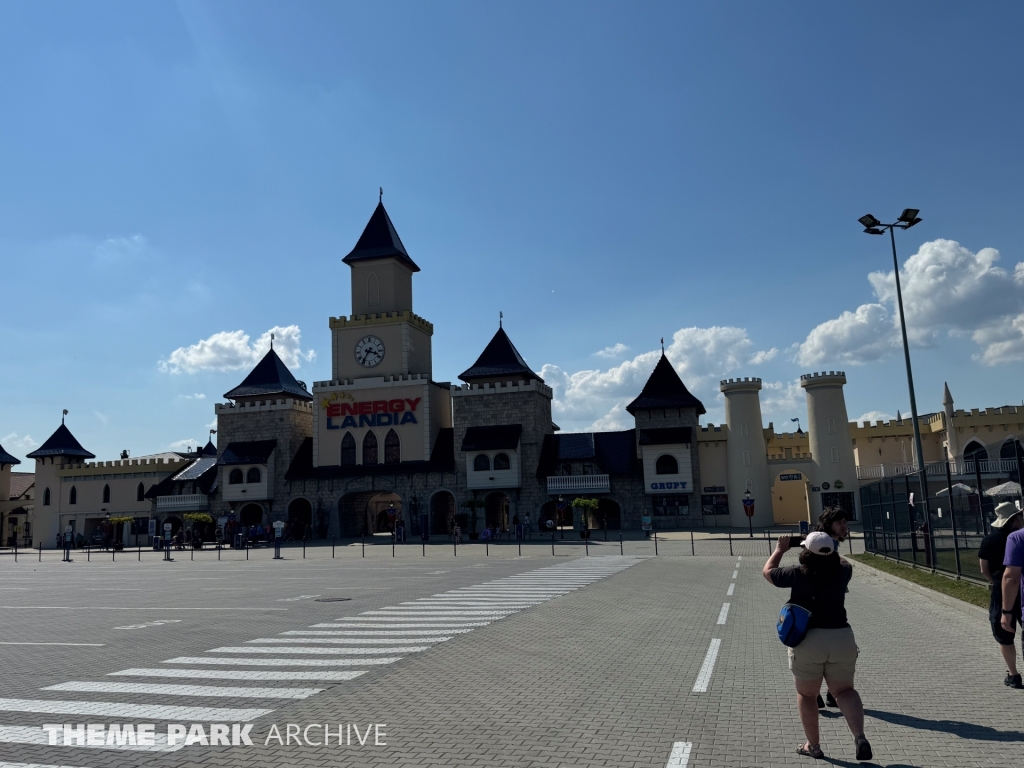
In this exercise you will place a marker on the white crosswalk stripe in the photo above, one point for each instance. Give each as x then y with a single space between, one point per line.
232 661
30 734
165 689
351 640
239 674
377 633
332 651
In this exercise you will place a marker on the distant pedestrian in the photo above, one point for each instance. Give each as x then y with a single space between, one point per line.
60 541
990 559
829 649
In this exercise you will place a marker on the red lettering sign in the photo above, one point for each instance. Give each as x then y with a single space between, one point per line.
334 409
380 406
348 409
365 406
396 406
413 403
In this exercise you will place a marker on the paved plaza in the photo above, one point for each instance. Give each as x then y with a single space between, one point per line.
484 659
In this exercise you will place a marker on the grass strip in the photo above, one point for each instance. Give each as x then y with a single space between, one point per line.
975 594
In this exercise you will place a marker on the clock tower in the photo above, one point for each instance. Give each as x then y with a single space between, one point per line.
380 388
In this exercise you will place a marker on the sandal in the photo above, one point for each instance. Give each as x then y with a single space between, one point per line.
811 750
863 748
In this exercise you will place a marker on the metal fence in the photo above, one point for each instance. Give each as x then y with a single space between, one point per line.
944 538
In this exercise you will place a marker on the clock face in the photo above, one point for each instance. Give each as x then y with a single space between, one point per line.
369 351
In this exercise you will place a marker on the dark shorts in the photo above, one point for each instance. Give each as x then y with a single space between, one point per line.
995 616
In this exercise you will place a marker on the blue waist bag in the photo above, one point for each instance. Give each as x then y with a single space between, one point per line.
792 626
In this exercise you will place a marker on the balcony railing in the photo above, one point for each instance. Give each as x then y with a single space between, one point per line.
937 469
578 483
183 501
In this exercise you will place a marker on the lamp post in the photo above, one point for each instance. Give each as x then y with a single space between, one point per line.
559 509
750 517
873 226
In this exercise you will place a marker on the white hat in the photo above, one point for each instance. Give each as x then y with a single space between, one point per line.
819 543
1004 514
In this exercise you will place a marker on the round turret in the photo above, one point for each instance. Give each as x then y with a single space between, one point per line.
828 430
746 451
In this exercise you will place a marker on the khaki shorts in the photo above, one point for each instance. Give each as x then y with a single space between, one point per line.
831 653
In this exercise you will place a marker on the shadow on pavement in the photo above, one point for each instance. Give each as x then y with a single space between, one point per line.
955 727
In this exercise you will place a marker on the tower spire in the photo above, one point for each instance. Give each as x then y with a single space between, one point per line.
501 315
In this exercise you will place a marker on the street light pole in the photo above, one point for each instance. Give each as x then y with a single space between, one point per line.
873 226
750 518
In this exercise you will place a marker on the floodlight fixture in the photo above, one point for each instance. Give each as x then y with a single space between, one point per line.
875 231
909 215
869 221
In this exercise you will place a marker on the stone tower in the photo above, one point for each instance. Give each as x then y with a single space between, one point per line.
747 452
828 430
947 406
60 448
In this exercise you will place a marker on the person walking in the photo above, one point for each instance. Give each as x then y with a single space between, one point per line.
829 649
832 521
991 554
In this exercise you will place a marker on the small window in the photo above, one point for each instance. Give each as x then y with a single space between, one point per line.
743 429
372 295
746 458
831 426
392 448
140 493
235 478
501 461
835 455
73 496
482 463
348 450
666 465
106 494
253 475
46 497
370 448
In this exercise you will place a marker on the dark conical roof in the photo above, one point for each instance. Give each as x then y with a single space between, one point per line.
6 458
269 377
210 449
61 443
665 390
380 240
499 359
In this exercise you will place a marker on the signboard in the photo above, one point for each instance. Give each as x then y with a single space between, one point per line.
678 486
714 489
816 488
825 486
278 525
645 522
152 527
748 507
372 413
67 529
167 527
791 476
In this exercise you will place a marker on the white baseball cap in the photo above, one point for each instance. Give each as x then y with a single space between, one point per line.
819 543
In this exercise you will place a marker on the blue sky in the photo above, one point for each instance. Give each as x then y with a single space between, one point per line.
606 174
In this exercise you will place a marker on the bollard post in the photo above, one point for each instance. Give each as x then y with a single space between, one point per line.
303 549
247 550
392 548
851 539
192 554
586 546
455 548
692 550
88 554
620 543
730 542
218 554
332 547
552 544
140 551
520 547
487 548
362 540
655 543
113 555
424 548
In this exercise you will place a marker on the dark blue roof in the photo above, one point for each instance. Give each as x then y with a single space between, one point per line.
613 452
6 458
61 443
664 390
499 359
380 240
270 377
616 452
210 449
576 445
253 452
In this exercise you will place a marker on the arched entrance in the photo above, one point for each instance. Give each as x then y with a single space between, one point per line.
175 522
366 512
975 451
300 519
609 514
496 510
251 514
442 512
551 518
790 503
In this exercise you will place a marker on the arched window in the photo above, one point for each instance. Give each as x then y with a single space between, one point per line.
348 450
666 465
235 478
1006 451
253 475
372 294
140 493
46 497
370 448
73 496
746 458
975 451
835 455
106 494
501 461
392 448
743 429
482 463
831 426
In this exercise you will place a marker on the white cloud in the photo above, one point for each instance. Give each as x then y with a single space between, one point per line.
853 338
101 417
231 350
947 291
764 356
14 441
196 396
182 445
596 399
613 351
873 416
117 250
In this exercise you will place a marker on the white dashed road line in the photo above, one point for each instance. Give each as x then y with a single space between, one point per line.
680 756
704 676
724 613
732 588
